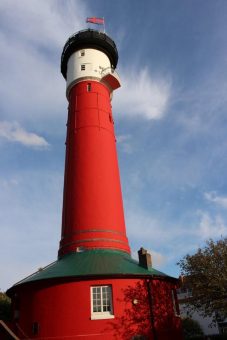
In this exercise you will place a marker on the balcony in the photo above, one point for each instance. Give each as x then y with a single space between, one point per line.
110 77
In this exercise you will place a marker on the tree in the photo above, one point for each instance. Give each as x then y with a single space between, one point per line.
191 328
5 307
206 276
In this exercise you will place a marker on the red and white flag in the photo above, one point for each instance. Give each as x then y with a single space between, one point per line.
97 21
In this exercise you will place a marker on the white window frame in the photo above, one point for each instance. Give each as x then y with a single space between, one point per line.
174 301
102 314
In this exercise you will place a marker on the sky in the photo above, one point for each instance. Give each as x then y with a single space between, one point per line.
170 123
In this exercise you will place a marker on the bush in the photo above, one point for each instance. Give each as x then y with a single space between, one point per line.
192 329
5 307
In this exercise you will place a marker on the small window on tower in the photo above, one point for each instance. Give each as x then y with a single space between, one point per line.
35 328
101 302
82 53
83 67
89 87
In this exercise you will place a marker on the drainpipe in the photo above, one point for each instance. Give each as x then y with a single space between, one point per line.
150 301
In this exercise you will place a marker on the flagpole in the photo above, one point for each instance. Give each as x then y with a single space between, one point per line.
104 25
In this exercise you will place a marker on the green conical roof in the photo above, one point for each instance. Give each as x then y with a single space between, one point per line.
93 263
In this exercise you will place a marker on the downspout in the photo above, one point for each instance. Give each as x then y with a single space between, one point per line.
151 308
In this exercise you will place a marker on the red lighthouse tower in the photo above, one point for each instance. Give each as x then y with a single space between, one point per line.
93 214
95 290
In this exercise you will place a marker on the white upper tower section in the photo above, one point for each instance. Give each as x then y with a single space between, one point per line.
87 63
90 55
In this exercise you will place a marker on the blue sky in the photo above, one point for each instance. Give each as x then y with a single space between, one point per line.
170 119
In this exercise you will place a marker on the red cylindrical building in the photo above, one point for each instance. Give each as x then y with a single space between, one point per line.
95 290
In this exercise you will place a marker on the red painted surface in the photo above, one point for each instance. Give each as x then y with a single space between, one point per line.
93 215
64 310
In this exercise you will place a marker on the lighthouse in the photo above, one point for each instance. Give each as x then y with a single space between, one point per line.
95 289
93 216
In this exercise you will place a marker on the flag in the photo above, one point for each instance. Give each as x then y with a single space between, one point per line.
94 20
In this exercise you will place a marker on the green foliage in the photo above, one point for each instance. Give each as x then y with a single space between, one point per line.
5 307
191 329
218 337
206 276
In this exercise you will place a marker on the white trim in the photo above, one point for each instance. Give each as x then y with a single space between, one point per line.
102 314
174 301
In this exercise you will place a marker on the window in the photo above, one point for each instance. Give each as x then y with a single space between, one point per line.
175 304
35 328
16 313
82 53
89 87
101 302
83 67
187 292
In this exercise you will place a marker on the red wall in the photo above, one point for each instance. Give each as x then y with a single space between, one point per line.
93 215
64 310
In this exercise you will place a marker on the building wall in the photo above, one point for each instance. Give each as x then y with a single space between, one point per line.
63 309
205 322
93 215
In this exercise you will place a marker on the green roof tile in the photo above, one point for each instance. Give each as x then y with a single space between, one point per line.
97 262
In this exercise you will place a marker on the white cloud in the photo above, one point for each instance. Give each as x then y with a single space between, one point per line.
49 22
204 104
8 183
31 40
32 82
125 143
149 229
158 259
169 241
219 200
123 138
142 96
32 95
30 222
13 132
211 227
